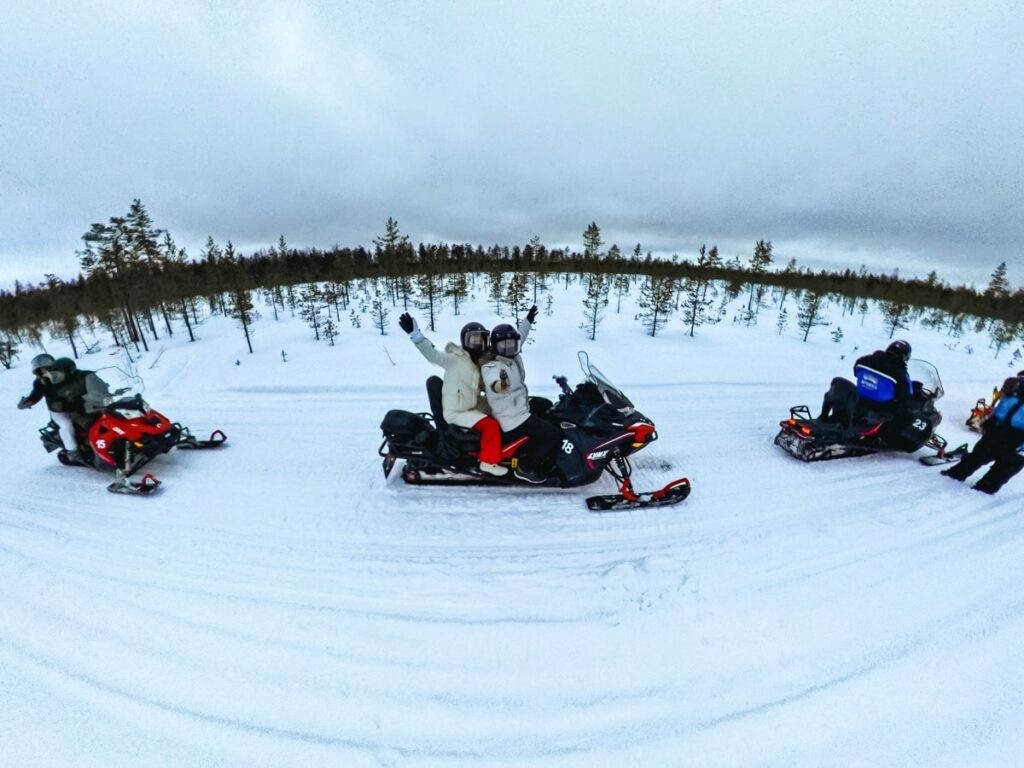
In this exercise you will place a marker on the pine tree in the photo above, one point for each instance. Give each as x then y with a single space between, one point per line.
515 296
9 350
759 264
594 303
456 288
998 286
176 259
1003 333
894 316
496 290
655 303
330 330
354 319
431 295
592 242
862 309
240 305
379 313
697 304
783 320
810 314
837 334
311 308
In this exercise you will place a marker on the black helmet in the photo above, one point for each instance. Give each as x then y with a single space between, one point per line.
900 348
474 338
41 362
505 340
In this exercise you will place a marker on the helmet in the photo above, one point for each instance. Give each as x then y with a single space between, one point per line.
474 337
505 340
41 362
60 370
900 348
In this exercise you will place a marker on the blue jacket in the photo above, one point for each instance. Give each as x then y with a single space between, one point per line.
1003 409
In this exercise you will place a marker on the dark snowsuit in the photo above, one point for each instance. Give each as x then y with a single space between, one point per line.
80 394
842 400
1003 436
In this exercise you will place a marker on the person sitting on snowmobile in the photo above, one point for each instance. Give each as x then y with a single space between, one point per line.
74 397
510 403
883 385
1001 440
461 399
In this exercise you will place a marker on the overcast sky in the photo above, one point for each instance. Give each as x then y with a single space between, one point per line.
883 133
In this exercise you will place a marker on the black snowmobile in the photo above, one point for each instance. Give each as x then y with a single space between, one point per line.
858 427
600 429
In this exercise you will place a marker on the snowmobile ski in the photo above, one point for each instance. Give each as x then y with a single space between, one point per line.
673 493
188 442
142 487
945 457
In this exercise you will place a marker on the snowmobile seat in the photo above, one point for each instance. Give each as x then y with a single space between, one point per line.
434 385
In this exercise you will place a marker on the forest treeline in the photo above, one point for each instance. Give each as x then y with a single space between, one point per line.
136 283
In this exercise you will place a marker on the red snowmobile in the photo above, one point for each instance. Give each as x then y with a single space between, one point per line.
600 429
125 436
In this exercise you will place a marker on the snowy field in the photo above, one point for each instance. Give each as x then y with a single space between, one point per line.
278 603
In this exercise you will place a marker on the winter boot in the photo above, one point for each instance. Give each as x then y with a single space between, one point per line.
71 458
951 472
493 469
530 475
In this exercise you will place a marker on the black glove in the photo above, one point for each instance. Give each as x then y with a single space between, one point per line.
406 323
531 316
24 404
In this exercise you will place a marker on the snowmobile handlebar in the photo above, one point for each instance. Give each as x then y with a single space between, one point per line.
563 382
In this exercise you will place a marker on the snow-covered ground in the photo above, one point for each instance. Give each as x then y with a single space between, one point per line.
278 603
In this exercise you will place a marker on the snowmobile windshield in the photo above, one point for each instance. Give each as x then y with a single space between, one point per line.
611 394
925 374
129 408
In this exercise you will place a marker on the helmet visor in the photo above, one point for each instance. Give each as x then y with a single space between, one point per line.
507 347
40 363
475 340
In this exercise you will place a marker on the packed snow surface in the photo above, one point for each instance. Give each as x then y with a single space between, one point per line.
278 603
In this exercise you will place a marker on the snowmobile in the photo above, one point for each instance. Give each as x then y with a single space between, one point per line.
599 426
858 426
981 411
125 436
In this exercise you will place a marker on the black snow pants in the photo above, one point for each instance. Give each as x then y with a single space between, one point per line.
538 451
998 445
840 402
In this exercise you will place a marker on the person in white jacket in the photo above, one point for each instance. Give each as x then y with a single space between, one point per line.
462 401
505 389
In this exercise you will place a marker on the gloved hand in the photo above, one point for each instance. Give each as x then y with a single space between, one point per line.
406 322
531 316
24 404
